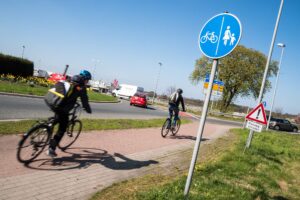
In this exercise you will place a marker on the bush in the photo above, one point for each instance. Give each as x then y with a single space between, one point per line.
15 66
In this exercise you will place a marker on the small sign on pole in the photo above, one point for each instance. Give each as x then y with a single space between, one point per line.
254 126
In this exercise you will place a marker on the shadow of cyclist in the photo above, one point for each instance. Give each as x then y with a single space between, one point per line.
87 157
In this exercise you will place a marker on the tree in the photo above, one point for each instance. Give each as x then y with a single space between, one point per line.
241 71
170 90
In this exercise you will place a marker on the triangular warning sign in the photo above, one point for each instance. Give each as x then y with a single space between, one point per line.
258 114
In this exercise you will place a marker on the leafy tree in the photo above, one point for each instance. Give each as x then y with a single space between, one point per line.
241 71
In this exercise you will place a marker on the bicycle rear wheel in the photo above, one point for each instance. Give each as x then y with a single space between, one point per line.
71 135
166 128
33 143
176 128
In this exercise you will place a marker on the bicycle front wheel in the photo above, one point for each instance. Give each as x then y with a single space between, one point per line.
166 128
33 143
71 135
176 128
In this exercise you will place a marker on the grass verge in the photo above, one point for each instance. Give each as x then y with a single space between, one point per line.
16 127
268 170
24 88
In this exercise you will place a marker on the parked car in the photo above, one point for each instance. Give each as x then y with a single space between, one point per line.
282 125
139 99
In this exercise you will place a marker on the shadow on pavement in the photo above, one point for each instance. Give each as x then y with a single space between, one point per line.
81 158
186 137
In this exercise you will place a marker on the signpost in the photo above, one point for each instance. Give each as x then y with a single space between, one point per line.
217 38
255 118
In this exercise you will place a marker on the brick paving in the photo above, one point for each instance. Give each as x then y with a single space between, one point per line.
97 160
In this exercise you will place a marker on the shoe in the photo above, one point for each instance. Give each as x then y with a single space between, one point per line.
51 153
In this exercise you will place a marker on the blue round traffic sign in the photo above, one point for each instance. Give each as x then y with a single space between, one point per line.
220 35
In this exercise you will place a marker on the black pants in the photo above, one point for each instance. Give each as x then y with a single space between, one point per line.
63 119
175 109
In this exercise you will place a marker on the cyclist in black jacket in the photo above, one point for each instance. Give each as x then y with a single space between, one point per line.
78 83
174 101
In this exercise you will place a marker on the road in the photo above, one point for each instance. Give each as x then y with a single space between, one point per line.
16 107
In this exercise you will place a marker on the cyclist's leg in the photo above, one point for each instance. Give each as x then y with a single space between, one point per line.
171 110
63 119
176 111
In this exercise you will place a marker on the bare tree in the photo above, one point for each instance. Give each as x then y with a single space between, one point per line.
278 111
297 119
170 90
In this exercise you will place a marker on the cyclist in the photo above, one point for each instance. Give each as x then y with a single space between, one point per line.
174 100
78 83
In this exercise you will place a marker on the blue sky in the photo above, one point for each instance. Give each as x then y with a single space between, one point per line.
130 38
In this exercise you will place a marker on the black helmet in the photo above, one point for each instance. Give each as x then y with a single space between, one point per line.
179 90
78 79
86 74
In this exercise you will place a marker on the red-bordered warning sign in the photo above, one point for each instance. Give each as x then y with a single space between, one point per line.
258 114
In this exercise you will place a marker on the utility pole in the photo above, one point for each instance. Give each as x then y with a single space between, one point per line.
248 143
276 83
160 64
23 51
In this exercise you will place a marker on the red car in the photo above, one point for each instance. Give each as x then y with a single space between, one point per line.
139 99
56 77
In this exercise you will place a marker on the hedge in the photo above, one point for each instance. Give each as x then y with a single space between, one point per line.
15 66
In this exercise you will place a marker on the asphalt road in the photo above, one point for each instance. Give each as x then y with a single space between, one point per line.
15 107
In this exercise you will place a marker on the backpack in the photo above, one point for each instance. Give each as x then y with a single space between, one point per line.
173 97
56 95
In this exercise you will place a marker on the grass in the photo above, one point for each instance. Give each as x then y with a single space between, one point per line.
16 127
267 170
24 88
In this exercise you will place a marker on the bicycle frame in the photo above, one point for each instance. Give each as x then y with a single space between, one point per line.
51 121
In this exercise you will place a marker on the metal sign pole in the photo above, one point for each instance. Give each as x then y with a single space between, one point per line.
266 69
201 127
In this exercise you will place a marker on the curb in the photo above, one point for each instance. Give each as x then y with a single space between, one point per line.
41 97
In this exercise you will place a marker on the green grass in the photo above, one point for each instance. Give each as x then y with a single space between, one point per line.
268 170
24 88
17 127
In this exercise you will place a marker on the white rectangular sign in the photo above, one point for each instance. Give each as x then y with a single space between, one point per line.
254 126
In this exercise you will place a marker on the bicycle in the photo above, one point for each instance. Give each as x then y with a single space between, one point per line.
169 125
209 36
38 136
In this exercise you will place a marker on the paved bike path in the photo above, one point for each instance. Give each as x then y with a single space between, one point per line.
97 160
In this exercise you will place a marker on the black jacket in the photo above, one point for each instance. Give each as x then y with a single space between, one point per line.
179 100
78 90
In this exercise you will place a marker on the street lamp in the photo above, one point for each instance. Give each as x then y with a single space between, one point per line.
160 64
23 51
94 70
276 83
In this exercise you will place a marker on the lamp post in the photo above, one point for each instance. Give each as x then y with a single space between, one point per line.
248 143
160 64
276 83
94 70
23 50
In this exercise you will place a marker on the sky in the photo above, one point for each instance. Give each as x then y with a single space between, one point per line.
127 39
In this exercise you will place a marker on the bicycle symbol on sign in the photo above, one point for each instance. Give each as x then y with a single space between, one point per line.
209 36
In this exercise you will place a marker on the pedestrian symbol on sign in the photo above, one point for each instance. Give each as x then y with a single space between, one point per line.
229 36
